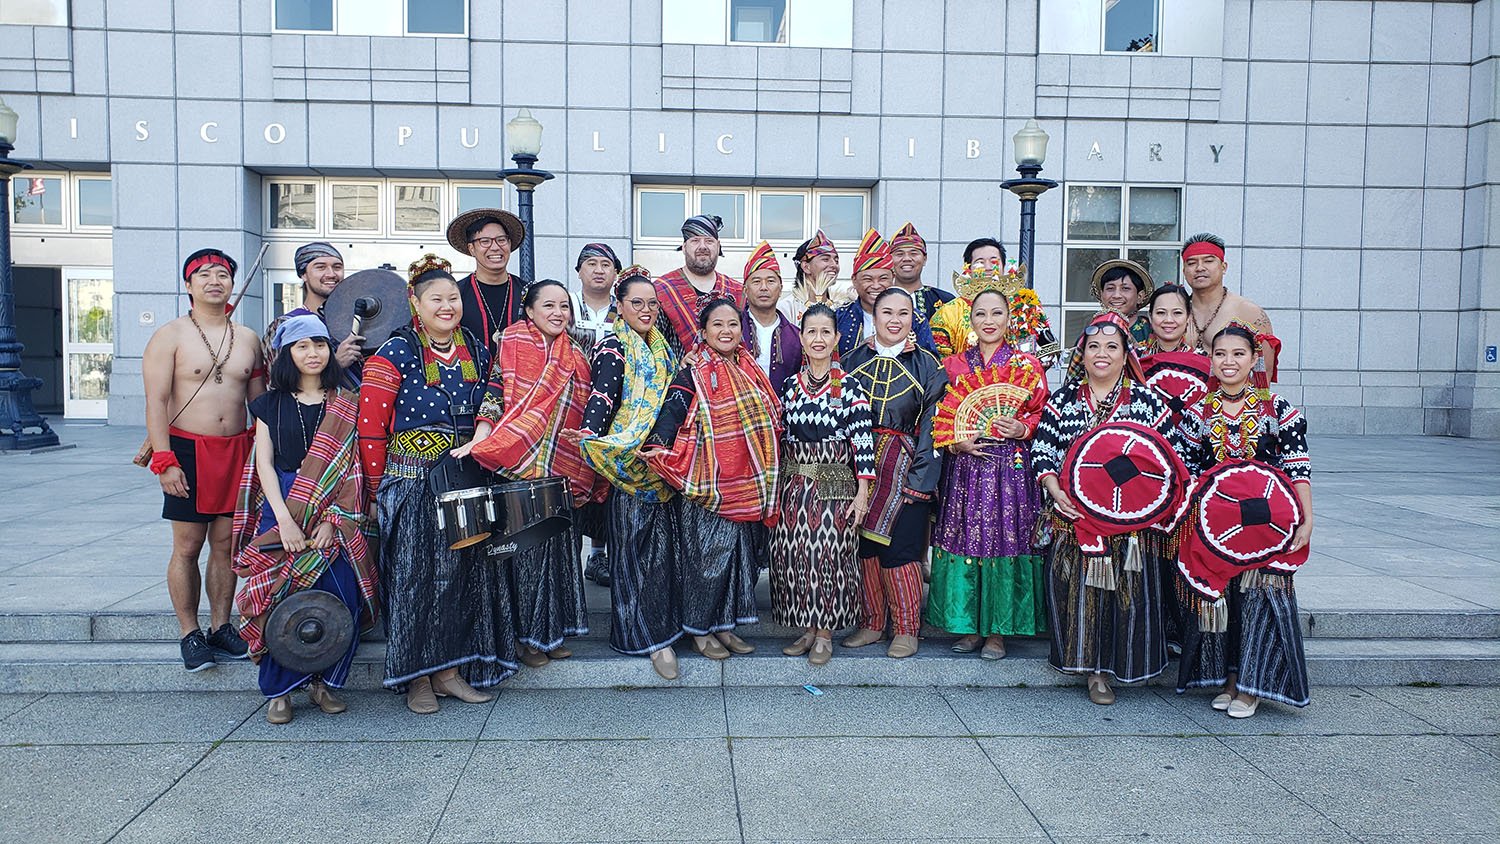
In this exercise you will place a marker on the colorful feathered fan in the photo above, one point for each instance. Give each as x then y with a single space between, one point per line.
975 401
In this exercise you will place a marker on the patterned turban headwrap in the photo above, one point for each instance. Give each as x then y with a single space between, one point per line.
597 250
818 245
763 258
706 225
309 252
907 236
874 254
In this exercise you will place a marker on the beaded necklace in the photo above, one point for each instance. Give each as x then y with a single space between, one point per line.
1238 437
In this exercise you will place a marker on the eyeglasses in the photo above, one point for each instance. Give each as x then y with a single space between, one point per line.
1101 328
644 304
487 242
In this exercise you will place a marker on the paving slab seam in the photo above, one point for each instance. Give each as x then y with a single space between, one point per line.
734 782
1374 691
977 743
1295 795
160 794
39 699
473 747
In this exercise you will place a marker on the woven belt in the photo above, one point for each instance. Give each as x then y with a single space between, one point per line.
833 480
409 454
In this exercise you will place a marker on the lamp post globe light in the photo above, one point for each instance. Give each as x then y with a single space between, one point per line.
1031 151
523 134
21 427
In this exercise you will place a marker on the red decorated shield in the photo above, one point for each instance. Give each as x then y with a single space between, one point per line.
1243 515
1180 378
1123 476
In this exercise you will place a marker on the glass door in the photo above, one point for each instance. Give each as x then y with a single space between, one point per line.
88 340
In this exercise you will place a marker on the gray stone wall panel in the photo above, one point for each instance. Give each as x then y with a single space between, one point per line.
340 132
1280 29
192 119
158 118
598 76
534 74
140 63
266 121
613 128
208 198
92 143
419 150
208 66
785 145
1332 217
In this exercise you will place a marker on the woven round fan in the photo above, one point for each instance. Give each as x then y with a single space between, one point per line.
976 401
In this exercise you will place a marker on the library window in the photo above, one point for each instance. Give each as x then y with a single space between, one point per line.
1102 222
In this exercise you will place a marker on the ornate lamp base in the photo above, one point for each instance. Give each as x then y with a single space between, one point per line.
21 427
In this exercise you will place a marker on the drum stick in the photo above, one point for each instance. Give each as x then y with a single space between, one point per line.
250 276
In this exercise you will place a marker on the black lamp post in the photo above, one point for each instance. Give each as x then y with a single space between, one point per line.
523 134
21 427
1031 150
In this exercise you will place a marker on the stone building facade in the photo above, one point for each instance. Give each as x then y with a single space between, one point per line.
1345 149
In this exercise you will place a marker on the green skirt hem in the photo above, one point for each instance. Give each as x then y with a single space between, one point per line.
987 596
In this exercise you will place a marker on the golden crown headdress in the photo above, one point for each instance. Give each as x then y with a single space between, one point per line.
973 280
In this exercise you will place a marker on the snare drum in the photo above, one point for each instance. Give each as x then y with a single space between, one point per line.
466 516
532 512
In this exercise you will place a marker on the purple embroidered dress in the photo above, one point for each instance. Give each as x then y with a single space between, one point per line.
987 579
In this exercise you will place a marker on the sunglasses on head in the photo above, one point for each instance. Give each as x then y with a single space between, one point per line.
1101 328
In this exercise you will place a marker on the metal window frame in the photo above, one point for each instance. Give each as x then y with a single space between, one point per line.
66 204
1121 245
406 23
333 22
1104 31
786 24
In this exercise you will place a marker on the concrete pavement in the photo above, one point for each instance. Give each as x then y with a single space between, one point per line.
755 764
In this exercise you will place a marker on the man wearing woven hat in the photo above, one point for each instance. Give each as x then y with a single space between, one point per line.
1123 286
491 294
908 258
594 303
873 272
769 335
321 268
688 288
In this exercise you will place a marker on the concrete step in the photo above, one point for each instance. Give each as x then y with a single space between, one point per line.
156 667
161 625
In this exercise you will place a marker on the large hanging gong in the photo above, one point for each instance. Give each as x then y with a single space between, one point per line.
309 631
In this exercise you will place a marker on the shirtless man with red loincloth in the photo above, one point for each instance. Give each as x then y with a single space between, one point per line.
1213 306
200 371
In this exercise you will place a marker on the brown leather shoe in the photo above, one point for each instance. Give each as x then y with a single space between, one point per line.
533 658
279 710
902 647
822 651
319 693
734 643
1099 690
559 652
665 663
994 648
710 647
966 644
420 697
800 646
864 637
457 686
